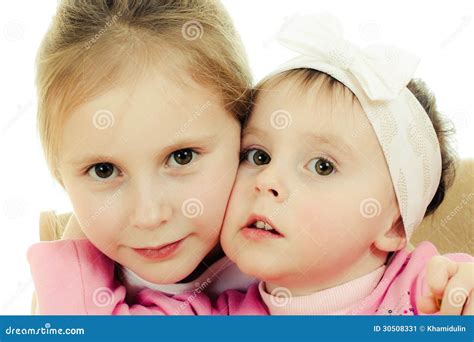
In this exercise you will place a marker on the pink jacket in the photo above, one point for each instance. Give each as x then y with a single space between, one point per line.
390 290
73 277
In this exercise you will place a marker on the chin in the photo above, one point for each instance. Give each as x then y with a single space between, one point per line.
262 267
166 271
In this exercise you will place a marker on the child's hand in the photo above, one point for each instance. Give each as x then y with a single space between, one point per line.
73 230
451 285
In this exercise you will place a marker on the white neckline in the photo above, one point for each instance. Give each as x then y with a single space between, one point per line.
134 283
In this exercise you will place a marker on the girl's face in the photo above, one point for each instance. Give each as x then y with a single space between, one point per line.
149 167
314 172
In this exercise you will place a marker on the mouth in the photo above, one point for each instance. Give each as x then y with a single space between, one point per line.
258 227
159 252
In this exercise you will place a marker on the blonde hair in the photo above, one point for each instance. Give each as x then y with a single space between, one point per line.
91 44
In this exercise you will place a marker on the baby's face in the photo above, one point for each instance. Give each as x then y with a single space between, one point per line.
315 173
149 167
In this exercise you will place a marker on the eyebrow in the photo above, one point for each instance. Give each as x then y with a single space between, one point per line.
312 139
194 142
330 140
188 142
254 131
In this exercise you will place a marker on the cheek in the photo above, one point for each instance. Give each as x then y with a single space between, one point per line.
330 233
204 201
331 221
98 210
240 196
237 210
346 219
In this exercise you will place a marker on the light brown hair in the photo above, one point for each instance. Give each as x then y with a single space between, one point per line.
91 45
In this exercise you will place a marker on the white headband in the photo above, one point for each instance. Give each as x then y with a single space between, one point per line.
378 76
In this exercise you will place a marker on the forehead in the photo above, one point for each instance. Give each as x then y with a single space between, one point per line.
316 108
155 108
317 102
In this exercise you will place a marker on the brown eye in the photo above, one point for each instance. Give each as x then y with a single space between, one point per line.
257 157
103 171
181 157
321 166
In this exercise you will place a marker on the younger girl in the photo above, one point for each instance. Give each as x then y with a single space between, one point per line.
343 156
140 104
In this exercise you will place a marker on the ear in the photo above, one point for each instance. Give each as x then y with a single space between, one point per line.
392 239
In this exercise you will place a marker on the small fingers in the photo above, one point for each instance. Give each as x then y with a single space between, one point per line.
469 306
427 304
455 297
440 270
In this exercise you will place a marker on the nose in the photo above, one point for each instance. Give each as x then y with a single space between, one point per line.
269 183
150 211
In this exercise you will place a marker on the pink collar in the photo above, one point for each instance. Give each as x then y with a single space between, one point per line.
335 300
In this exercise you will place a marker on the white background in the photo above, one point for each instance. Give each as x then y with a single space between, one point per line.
441 34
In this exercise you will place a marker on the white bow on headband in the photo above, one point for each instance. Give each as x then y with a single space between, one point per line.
382 70
378 76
